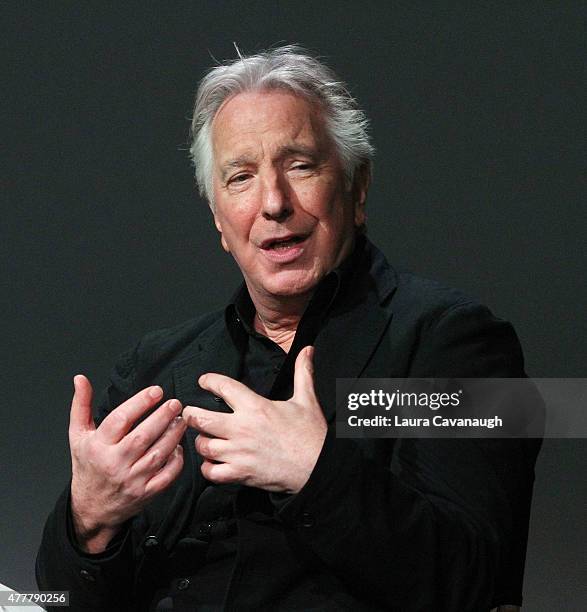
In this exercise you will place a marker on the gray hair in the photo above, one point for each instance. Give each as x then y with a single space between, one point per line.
290 68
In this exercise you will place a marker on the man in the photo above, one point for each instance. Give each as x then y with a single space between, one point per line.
213 478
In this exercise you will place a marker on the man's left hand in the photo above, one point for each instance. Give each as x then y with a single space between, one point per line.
272 445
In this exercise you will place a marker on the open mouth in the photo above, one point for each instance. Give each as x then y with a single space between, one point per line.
282 243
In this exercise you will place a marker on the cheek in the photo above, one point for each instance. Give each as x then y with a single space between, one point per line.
320 201
237 224
336 215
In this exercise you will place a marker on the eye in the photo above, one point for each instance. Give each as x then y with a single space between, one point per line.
239 178
302 166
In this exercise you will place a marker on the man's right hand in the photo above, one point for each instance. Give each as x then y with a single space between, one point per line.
116 470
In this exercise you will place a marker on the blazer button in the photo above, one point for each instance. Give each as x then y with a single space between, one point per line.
150 542
204 531
183 584
307 520
87 575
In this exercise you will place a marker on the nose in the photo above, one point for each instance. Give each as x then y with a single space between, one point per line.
277 205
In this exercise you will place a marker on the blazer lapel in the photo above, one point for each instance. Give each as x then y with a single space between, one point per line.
218 354
215 353
351 336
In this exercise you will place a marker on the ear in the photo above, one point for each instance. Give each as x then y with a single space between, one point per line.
361 183
218 225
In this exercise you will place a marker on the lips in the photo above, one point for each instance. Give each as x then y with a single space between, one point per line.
283 242
284 250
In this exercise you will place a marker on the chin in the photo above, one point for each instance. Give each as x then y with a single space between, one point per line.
290 284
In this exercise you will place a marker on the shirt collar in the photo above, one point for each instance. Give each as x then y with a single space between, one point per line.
240 310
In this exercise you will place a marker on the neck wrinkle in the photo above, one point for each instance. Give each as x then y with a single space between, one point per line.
279 329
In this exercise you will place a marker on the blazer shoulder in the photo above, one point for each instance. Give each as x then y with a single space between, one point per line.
429 299
152 357
179 339
454 333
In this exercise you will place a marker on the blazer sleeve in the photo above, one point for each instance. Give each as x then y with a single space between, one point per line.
96 582
436 527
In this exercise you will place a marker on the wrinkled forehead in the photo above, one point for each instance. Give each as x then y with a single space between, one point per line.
254 123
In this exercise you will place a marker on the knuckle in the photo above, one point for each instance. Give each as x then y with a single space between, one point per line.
135 490
120 419
200 421
239 472
175 455
82 448
193 420
139 440
190 419
154 458
112 471
157 460
202 445
164 461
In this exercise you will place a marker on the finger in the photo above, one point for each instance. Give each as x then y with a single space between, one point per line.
212 449
80 416
156 455
146 433
304 374
216 424
120 421
234 393
219 473
167 474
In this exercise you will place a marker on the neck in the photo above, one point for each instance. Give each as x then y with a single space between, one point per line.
278 319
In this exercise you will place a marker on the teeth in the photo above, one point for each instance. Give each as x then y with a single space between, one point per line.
285 244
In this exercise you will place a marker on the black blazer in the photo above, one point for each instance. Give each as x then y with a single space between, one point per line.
396 525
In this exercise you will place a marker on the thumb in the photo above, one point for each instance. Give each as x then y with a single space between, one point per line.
80 417
304 374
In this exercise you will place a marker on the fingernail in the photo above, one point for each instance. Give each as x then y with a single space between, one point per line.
155 392
76 379
176 422
175 406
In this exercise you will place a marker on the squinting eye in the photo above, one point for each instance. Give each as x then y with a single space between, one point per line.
239 178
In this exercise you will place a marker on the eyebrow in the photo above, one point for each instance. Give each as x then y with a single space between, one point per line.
285 151
237 162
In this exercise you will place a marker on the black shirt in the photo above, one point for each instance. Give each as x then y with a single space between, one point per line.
205 557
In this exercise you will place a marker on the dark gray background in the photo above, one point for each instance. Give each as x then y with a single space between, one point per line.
478 125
